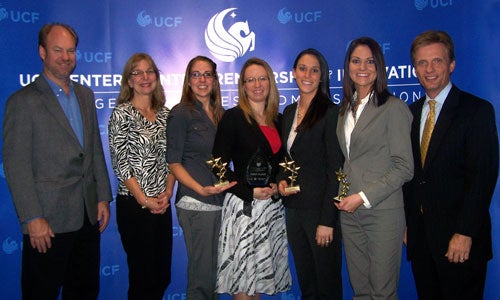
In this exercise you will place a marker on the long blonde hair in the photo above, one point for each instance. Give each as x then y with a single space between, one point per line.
272 103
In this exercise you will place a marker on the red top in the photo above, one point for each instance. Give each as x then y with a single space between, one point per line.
272 137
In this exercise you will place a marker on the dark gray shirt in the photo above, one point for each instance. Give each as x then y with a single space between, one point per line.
190 138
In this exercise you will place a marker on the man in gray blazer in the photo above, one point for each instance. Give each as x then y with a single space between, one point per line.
57 174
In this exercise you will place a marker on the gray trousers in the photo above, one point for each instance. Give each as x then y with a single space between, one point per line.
373 241
201 235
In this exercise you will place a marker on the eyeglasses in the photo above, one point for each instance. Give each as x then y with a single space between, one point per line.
140 73
197 75
252 80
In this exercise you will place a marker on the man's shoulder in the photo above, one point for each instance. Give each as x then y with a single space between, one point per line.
469 98
26 94
23 91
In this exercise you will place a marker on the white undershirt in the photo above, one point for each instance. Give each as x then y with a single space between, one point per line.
293 133
349 125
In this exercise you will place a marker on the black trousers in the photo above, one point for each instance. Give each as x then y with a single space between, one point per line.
72 263
147 241
319 269
438 279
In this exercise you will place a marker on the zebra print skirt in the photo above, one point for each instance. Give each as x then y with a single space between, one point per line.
253 251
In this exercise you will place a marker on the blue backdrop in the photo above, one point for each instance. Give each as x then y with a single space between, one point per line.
230 32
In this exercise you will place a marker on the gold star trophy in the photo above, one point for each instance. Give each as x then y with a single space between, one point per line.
289 166
221 167
344 185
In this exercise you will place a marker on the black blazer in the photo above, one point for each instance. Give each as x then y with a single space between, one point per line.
237 141
317 152
455 187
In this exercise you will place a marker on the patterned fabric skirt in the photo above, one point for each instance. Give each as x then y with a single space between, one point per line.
253 251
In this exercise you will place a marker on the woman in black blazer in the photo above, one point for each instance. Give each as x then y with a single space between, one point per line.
308 135
253 253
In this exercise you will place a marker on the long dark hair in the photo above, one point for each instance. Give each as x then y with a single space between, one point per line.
380 92
320 102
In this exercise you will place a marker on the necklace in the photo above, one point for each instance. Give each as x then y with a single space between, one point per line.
300 111
299 115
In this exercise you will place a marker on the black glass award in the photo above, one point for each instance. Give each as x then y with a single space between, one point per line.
259 170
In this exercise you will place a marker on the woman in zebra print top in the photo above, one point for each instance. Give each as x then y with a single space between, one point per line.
137 142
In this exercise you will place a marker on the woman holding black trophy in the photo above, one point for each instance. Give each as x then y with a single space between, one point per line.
253 254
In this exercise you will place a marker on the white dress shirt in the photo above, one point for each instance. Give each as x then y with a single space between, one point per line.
350 123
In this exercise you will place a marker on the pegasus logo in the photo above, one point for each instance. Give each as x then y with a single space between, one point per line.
143 19
227 45
9 245
4 14
284 16
420 4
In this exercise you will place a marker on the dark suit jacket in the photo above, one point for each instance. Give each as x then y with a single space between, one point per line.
317 152
455 187
48 172
237 141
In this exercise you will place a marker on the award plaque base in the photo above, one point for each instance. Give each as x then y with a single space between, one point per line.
221 184
295 188
338 199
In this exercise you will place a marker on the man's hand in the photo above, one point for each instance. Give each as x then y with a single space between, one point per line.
103 215
40 233
459 248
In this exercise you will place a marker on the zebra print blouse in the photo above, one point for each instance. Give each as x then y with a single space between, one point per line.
138 148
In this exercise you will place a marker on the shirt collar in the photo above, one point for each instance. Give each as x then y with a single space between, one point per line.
55 87
441 97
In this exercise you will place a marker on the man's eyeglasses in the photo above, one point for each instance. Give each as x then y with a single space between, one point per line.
140 73
252 80
197 75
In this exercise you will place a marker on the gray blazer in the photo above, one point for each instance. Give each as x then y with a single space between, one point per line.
48 173
380 158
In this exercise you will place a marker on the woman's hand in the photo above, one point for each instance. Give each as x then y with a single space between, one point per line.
324 235
158 205
349 203
282 185
211 190
264 193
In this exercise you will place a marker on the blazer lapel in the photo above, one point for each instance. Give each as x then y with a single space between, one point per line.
262 140
443 123
415 131
52 105
367 115
86 121
287 125
341 133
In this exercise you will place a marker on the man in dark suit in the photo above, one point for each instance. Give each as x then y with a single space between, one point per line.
456 168
57 174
